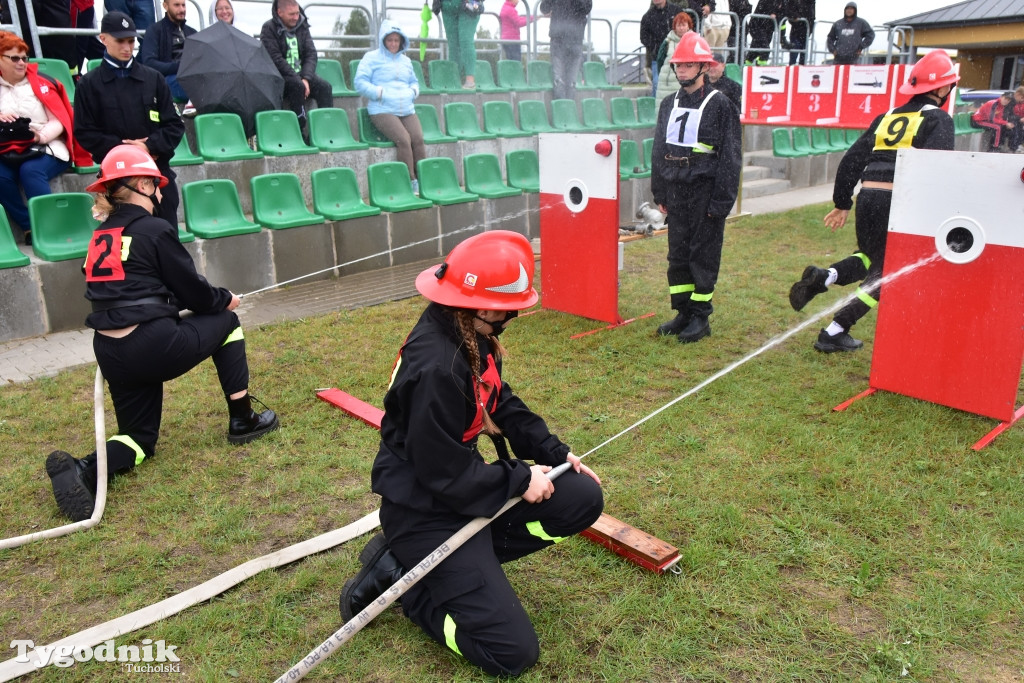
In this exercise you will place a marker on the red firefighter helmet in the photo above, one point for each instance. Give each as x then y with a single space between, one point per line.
126 161
491 271
934 70
692 48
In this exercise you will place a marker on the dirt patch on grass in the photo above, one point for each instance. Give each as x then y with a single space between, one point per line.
834 605
987 667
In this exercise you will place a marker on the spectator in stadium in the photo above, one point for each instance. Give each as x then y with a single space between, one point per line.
26 94
993 118
667 84
849 37
163 45
287 40
762 29
655 24
511 22
725 85
801 17
386 79
222 10
460 18
568 24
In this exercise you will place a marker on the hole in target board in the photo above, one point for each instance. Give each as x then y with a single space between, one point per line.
959 240
575 195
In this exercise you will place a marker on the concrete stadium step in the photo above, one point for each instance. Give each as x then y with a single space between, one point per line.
764 186
751 173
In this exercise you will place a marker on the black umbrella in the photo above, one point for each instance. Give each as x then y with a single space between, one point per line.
225 70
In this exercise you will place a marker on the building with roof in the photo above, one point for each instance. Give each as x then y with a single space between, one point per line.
988 36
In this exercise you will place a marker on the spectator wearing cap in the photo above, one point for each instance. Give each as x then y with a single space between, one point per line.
126 102
163 44
993 118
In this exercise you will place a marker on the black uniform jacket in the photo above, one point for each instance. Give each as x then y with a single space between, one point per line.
109 109
428 459
719 129
918 123
135 255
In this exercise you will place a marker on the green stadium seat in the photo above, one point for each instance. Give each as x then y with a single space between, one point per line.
538 75
431 125
221 137
500 120
485 78
183 155
648 148
837 140
647 110
439 184
336 195
624 113
184 236
460 119
533 117
10 255
94 169
330 71
444 76
630 163
852 135
278 134
93 64
782 144
962 123
391 187
353 68
212 209
734 72
564 117
329 131
278 202
594 75
58 70
595 115
580 85
417 68
483 177
512 76
820 142
368 132
802 142
523 170
62 225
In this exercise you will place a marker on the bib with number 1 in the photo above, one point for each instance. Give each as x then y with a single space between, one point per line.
684 123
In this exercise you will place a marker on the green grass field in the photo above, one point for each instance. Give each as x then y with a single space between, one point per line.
871 544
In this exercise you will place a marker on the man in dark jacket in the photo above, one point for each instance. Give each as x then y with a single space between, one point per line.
654 26
568 23
801 18
287 40
762 30
164 42
849 36
126 102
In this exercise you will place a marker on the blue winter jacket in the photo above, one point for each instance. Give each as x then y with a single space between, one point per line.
387 80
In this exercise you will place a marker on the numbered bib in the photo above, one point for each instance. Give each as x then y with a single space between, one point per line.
897 131
684 124
107 252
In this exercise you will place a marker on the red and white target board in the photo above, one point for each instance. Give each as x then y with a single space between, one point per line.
579 224
867 91
766 95
951 331
815 99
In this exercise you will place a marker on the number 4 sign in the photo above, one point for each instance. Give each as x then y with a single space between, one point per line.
868 92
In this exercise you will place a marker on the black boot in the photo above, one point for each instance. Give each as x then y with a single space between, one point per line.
840 342
675 325
68 478
381 570
246 424
812 283
695 330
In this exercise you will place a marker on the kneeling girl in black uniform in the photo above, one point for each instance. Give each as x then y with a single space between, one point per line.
138 276
920 123
446 389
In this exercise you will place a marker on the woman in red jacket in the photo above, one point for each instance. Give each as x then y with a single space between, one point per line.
446 389
26 94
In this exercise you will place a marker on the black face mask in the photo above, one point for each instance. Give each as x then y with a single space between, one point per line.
498 326
152 197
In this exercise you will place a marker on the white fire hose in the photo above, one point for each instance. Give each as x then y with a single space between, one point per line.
101 480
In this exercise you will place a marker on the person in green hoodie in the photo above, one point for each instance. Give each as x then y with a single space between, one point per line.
460 18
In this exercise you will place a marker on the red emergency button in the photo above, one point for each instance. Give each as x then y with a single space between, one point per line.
1022 175
604 148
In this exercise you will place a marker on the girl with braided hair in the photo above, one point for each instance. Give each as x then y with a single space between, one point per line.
446 389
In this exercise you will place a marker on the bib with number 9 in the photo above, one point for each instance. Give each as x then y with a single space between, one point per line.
897 131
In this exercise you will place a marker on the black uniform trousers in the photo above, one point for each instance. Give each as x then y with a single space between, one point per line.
872 229
169 199
466 603
694 247
136 366
295 94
